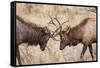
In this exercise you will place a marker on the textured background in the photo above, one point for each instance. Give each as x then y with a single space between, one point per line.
38 14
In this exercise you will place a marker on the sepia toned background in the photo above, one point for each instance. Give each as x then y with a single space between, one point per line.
38 14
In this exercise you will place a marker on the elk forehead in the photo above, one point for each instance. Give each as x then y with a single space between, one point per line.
46 30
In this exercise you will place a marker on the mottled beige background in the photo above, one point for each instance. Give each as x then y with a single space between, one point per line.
38 14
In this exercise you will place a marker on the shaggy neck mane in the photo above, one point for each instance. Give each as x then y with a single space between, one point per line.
29 24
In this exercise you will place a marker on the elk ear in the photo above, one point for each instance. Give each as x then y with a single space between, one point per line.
68 29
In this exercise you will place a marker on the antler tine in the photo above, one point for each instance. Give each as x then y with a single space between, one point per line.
56 30
51 21
65 22
53 36
57 21
59 28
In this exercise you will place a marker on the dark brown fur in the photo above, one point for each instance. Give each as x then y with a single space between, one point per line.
31 34
84 33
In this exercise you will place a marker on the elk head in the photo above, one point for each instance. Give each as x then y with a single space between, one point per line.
64 38
44 37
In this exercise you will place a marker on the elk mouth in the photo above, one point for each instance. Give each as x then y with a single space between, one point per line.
42 49
61 48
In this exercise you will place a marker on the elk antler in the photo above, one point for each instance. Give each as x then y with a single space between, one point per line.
60 25
68 29
51 21
59 22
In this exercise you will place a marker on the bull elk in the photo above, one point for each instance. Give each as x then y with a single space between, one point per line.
31 34
84 33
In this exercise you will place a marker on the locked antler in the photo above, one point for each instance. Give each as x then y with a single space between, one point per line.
60 25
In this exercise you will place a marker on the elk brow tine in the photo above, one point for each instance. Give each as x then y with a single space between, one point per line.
51 22
56 30
65 22
57 21
54 38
